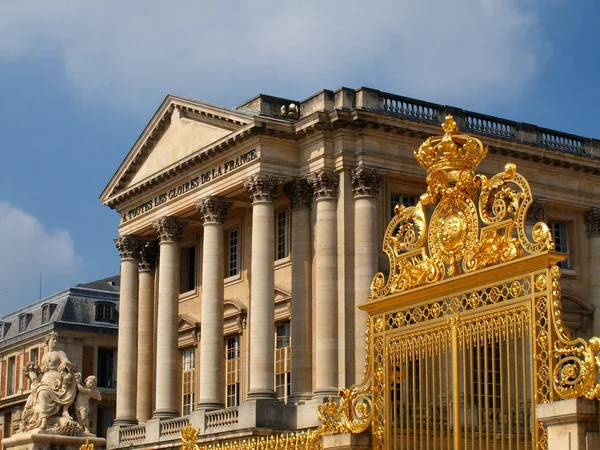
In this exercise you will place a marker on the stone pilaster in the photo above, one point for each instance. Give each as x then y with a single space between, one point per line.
592 226
300 194
129 248
263 189
145 381
365 185
169 230
213 211
325 189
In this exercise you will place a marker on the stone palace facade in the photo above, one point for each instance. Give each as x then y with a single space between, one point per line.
249 235
86 317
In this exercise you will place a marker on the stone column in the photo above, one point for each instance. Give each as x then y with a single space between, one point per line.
324 186
212 375
169 230
263 189
299 193
129 247
365 185
592 225
145 366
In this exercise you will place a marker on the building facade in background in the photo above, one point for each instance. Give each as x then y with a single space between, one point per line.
86 318
249 235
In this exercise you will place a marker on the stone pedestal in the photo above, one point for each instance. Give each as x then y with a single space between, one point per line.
347 441
38 440
572 424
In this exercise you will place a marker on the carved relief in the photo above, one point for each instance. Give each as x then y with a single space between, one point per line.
592 222
169 228
299 193
148 255
262 187
129 246
213 209
365 181
324 184
536 212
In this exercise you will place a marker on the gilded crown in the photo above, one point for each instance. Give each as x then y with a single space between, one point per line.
451 153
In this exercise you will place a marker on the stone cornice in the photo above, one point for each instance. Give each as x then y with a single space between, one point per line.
324 122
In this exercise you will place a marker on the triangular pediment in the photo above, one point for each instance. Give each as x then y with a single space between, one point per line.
180 128
282 295
186 322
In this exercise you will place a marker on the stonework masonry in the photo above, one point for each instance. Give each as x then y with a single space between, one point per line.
267 222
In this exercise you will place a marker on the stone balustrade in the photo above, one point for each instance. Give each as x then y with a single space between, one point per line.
221 418
132 434
172 427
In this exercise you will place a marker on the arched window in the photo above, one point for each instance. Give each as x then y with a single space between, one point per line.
47 311
105 312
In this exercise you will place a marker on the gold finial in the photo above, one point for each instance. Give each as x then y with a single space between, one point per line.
189 436
87 446
449 125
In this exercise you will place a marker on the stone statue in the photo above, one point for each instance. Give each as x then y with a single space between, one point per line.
82 401
55 387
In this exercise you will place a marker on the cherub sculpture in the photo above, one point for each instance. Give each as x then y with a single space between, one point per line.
82 401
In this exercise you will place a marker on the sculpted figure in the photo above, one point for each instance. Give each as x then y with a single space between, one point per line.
82 401
51 394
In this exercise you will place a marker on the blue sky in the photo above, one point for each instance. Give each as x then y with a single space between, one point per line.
80 80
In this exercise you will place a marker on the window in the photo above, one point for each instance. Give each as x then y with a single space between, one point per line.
188 269
559 236
105 312
282 249
106 368
45 313
403 200
234 253
10 376
282 361
232 370
22 323
189 380
34 355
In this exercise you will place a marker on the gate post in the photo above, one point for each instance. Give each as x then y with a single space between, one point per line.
572 424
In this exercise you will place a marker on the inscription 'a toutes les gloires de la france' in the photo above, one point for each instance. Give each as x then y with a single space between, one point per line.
190 185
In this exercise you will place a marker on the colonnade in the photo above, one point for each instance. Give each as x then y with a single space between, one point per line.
138 390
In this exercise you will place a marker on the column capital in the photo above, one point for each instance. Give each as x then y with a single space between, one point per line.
299 193
535 213
324 184
213 209
592 222
365 181
262 187
148 255
129 246
169 228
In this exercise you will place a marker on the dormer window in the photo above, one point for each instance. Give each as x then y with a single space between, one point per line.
47 311
105 312
23 322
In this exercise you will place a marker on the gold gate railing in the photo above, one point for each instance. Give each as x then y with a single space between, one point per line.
465 334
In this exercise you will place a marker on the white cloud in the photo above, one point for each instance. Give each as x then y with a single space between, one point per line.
28 249
131 53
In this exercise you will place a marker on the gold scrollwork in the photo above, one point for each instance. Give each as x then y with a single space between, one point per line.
189 435
577 360
452 241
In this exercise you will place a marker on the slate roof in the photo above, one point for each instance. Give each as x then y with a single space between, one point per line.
71 309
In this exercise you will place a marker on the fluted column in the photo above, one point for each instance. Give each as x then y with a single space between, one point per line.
325 187
145 380
365 185
129 247
169 230
262 189
212 376
299 193
592 224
